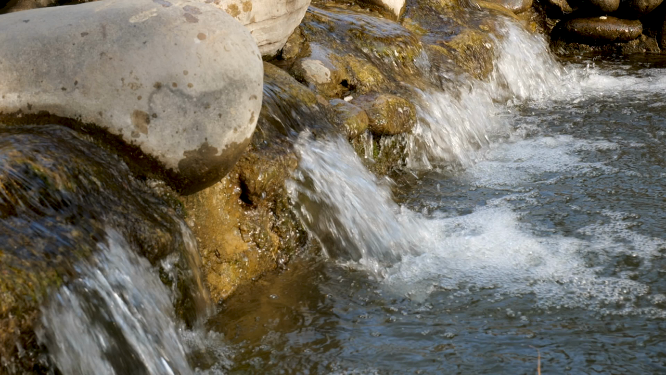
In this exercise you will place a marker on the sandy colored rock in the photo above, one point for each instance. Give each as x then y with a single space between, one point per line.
181 81
351 119
388 114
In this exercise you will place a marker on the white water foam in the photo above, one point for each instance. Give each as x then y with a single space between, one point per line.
488 249
451 125
115 318
331 190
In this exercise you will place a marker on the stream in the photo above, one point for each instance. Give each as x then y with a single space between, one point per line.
529 223
527 231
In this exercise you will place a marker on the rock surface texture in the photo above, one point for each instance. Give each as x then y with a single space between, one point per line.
638 8
182 81
270 21
600 30
604 6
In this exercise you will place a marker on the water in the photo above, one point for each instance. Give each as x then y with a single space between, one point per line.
530 223
116 317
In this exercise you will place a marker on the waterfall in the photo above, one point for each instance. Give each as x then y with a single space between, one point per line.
116 317
454 124
353 214
355 217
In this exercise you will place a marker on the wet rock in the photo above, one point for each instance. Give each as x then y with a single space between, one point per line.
320 72
396 7
471 50
296 44
388 114
516 6
455 41
245 225
189 100
334 74
270 21
598 6
598 30
350 118
637 8
364 38
60 195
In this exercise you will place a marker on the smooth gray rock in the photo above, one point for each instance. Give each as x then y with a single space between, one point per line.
599 30
182 80
270 21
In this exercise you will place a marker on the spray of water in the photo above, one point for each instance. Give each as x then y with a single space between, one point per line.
354 216
115 318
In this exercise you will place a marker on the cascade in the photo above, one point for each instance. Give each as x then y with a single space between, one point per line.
523 204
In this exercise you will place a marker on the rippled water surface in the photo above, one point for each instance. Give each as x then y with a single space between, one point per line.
552 241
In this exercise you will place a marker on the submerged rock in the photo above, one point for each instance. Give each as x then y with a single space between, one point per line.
60 196
181 81
352 119
270 21
388 114
598 30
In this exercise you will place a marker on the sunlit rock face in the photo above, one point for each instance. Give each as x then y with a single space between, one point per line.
270 21
180 81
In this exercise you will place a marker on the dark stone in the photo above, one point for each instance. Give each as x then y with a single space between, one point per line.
558 8
605 6
637 8
598 30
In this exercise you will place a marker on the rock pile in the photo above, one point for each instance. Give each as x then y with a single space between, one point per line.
601 24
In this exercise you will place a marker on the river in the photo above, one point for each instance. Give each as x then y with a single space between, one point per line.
529 224
527 232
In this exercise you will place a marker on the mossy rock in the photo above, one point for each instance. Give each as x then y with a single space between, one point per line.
388 114
244 224
349 118
60 195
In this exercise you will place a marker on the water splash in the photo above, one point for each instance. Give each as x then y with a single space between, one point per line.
115 318
452 125
331 190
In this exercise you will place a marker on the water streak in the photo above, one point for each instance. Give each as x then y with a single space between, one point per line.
115 318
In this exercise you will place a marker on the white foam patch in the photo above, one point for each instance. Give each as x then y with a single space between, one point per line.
514 164
492 249
488 249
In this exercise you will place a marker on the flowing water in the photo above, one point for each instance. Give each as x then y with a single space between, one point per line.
530 221
526 230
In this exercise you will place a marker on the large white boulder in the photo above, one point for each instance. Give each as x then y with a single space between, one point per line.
182 80
270 21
